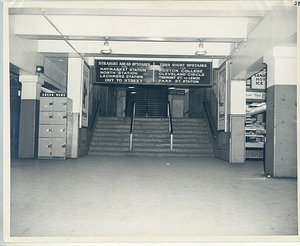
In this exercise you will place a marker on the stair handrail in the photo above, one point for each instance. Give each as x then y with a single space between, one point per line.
208 118
131 125
95 116
170 125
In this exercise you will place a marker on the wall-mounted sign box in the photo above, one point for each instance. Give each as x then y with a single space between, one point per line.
54 94
176 92
153 72
255 95
258 81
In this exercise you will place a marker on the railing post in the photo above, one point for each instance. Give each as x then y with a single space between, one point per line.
170 125
131 126
130 142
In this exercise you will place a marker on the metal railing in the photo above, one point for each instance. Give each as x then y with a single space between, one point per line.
170 125
208 118
95 116
131 125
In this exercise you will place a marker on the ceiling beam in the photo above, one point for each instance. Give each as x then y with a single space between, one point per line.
131 39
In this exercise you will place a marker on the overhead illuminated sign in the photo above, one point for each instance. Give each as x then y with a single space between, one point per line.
153 72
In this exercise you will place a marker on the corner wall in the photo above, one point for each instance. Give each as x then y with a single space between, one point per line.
281 115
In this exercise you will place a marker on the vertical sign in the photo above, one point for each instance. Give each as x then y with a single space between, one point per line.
85 95
222 91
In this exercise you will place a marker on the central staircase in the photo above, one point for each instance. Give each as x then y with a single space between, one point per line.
151 137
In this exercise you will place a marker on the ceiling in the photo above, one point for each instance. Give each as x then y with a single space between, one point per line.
165 29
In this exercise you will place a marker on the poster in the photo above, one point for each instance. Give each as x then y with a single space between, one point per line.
222 95
85 96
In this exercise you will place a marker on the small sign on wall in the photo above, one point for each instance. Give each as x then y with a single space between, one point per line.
258 81
176 92
54 94
256 95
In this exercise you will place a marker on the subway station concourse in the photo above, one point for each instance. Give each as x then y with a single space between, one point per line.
162 121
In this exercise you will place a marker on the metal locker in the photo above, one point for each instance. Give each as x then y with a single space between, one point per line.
59 131
69 105
60 104
69 135
46 118
45 147
59 118
45 131
59 147
46 103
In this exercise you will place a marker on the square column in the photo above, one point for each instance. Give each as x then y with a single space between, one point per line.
281 115
237 121
29 116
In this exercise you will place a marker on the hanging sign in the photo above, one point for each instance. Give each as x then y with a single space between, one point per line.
258 81
153 72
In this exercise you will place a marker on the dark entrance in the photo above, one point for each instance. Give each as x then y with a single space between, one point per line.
149 101
15 102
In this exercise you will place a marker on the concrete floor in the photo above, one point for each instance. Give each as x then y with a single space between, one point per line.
135 196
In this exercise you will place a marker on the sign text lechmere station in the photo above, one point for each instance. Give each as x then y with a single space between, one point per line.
153 72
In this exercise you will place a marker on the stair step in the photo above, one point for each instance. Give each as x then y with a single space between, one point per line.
190 129
152 154
140 149
109 153
188 120
191 140
114 119
115 144
113 130
109 148
152 140
151 145
112 135
190 133
192 146
150 127
150 135
111 139
151 119
190 125
112 126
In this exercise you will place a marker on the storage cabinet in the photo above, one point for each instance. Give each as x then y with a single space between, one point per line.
55 122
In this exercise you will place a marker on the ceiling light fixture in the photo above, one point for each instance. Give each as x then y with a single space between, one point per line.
236 48
106 48
201 51
245 42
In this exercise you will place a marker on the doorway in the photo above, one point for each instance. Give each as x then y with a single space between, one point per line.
150 101
15 106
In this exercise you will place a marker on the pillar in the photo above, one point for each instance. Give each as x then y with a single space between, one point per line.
237 121
74 93
29 116
281 115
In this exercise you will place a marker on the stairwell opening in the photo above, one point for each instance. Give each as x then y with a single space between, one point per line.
151 101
